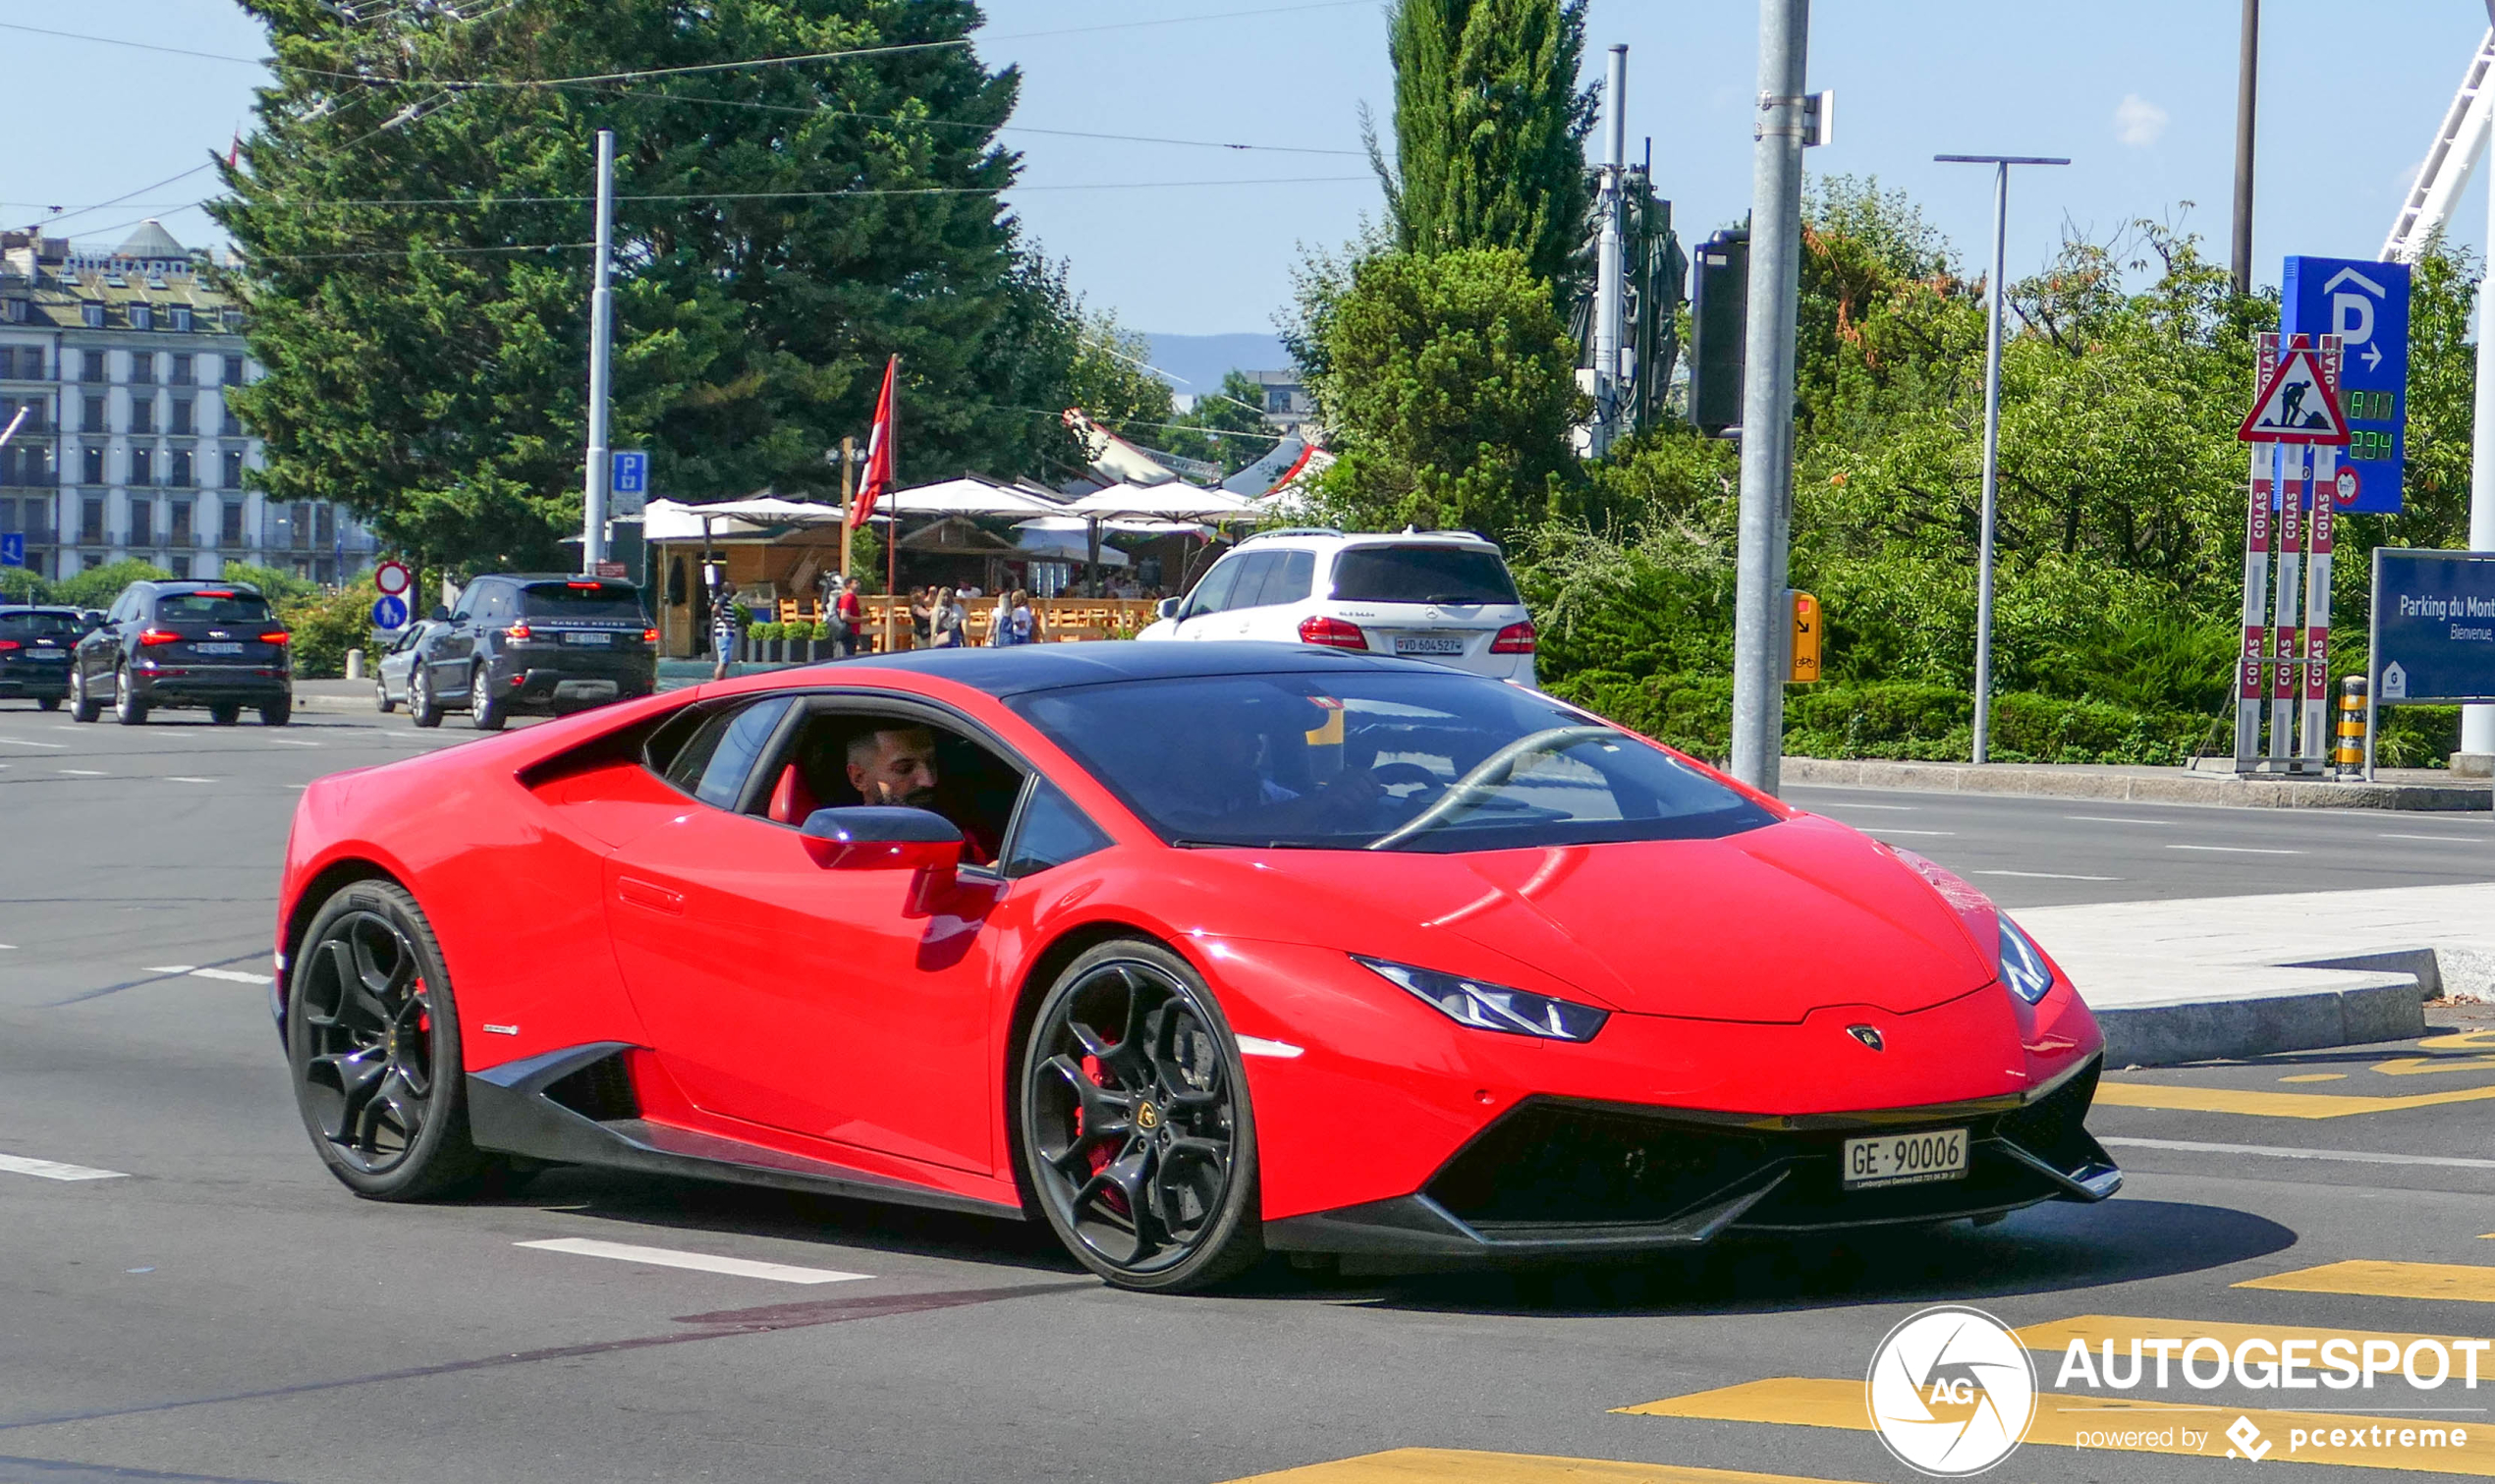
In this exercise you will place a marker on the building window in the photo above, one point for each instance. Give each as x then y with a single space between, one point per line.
94 459
182 319
143 317
233 462
178 468
90 519
181 368
143 466
143 368
181 522
303 525
142 522
92 413
183 420
90 366
230 522
234 370
326 517
142 413
92 314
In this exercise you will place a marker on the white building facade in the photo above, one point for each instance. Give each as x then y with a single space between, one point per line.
122 360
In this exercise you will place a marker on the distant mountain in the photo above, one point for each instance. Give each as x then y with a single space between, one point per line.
1202 358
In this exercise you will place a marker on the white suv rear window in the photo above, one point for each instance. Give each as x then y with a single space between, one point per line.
1420 574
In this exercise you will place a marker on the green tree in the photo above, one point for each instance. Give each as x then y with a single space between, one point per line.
1452 388
1489 131
98 586
1225 426
410 216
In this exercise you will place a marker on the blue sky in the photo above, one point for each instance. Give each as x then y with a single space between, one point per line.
2140 95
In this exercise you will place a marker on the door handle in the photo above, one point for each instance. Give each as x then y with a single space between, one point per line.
650 894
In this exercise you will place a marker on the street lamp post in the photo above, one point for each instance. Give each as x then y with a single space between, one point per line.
2000 164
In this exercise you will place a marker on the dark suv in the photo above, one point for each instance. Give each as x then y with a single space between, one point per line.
202 645
34 653
534 643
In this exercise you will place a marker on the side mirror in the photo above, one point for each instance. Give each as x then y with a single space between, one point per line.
93 618
1169 608
439 615
882 837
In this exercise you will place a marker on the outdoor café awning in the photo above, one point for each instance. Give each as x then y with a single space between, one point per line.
1165 501
757 518
969 495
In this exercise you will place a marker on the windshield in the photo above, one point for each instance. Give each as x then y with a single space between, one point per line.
580 600
211 607
1422 575
1377 761
27 625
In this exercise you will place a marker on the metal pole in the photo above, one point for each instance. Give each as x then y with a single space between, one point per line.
2478 723
2248 78
601 332
1767 394
1607 268
1992 461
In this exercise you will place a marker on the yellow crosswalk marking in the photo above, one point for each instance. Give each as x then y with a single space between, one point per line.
2094 1330
2387 1280
2067 1421
1447 1466
2173 1098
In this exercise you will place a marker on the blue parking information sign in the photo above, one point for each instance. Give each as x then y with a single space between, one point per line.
12 548
2434 625
2366 303
631 467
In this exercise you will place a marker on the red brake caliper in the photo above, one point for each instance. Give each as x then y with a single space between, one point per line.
1099 1154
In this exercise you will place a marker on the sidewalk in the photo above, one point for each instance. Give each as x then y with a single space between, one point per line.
2431 789
2239 976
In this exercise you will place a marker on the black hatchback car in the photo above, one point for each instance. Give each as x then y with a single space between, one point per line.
34 654
534 643
213 646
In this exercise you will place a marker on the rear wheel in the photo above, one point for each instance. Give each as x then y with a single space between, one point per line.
128 709
372 1037
225 715
84 706
278 713
1134 1125
424 708
482 711
49 703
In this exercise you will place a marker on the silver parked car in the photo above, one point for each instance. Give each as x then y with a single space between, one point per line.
390 677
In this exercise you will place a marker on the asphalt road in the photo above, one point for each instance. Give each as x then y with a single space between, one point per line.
209 1304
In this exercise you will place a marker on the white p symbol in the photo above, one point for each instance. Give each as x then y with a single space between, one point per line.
2351 318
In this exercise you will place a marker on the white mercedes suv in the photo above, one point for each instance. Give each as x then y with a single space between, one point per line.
1441 596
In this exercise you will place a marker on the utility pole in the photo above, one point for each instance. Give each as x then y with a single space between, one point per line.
2247 77
602 334
1761 626
2000 164
1608 300
2478 723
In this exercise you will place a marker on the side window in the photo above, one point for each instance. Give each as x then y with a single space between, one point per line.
466 608
714 764
1213 593
1050 831
1291 579
493 605
1251 591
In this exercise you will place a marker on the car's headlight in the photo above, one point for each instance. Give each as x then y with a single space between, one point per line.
1492 1007
2022 966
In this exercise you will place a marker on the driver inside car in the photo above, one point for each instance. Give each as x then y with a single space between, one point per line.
897 767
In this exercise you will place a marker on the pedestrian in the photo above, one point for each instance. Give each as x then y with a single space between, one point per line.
997 621
1021 624
848 610
946 620
923 615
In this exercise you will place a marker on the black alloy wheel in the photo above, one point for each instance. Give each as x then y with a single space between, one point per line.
225 714
482 713
1134 1123
128 709
84 707
372 1039
424 708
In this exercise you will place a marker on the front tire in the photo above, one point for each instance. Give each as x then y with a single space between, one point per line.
49 703
225 715
1134 1123
424 708
84 707
372 1040
482 712
128 709
381 701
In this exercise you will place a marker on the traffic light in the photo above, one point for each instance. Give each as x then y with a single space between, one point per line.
1719 322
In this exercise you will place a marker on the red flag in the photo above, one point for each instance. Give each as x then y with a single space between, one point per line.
234 154
878 451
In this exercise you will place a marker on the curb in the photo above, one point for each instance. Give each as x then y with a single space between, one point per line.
2391 1007
2048 782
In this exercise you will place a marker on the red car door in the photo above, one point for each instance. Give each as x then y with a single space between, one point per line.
809 1000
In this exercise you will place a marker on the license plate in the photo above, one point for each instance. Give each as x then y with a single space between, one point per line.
1427 643
588 638
53 656
216 649
1906 1158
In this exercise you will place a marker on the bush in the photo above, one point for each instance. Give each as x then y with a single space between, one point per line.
327 625
99 587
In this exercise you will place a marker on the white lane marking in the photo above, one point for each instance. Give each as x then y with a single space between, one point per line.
2110 819
288 741
2234 850
1881 829
170 968
2048 876
231 976
179 778
44 1168
25 742
2447 839
1848 804
1258 1046
704 1262
2350 1156
85 772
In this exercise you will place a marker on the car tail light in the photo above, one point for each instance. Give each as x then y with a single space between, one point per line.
518 631
1515 639
11 644
276 636
650 636
1332 633
158 637
584 586
212 592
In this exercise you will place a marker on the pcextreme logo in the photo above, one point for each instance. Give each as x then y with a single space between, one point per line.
1951 1392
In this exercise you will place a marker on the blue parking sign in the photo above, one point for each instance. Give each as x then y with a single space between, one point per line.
2366 303
12 548
632 473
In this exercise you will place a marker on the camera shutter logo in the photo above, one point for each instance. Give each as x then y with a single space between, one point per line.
1951 1392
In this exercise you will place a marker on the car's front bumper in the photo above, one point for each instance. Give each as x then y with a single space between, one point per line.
1557 1177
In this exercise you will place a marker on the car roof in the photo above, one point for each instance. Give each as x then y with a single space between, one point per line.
1319 536
39 608
200 584
548 577
1025 667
